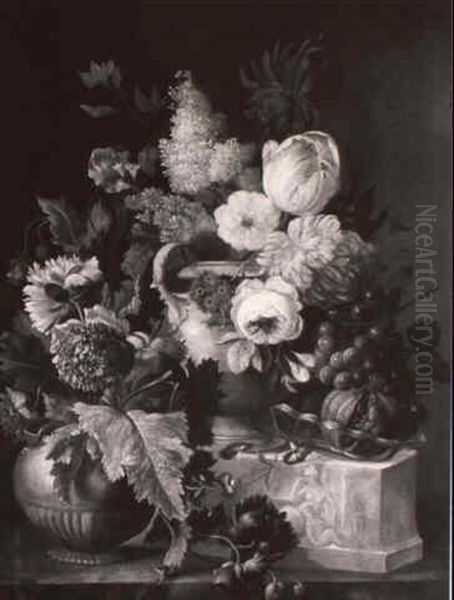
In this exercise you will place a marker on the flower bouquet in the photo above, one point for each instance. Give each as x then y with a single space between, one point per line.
205 276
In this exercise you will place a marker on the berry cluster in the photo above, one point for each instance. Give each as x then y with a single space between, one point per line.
235 576
261 535
213 294
351 349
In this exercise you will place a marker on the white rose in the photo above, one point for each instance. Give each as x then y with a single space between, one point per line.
267 312
301 174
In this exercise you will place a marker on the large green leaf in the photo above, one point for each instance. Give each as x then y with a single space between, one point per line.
149 449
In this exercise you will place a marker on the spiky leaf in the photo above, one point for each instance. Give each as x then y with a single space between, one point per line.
279 87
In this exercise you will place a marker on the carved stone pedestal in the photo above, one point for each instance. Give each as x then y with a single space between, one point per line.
349 515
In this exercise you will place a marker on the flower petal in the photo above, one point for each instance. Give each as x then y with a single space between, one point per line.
239 355
305 359
299 373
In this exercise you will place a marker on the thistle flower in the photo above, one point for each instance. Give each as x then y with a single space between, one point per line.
51 287
91 354
193 156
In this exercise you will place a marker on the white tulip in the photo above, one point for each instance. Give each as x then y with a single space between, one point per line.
301 174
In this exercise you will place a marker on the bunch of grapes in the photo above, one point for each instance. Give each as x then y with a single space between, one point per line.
213 294
352 346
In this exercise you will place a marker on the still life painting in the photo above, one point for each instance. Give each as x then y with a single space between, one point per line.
220 346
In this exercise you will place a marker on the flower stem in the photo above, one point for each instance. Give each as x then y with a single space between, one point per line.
229 542
148 386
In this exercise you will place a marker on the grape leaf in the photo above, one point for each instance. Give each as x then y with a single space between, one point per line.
149 449
66 449
64 223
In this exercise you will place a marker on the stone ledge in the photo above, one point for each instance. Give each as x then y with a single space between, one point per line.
349 515
367 560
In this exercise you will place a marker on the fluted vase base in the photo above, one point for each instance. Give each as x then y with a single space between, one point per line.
76 557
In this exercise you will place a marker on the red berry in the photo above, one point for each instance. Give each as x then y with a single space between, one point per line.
343 381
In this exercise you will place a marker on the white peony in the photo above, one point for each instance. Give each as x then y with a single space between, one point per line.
302 173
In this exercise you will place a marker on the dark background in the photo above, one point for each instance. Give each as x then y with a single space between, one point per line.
385 95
